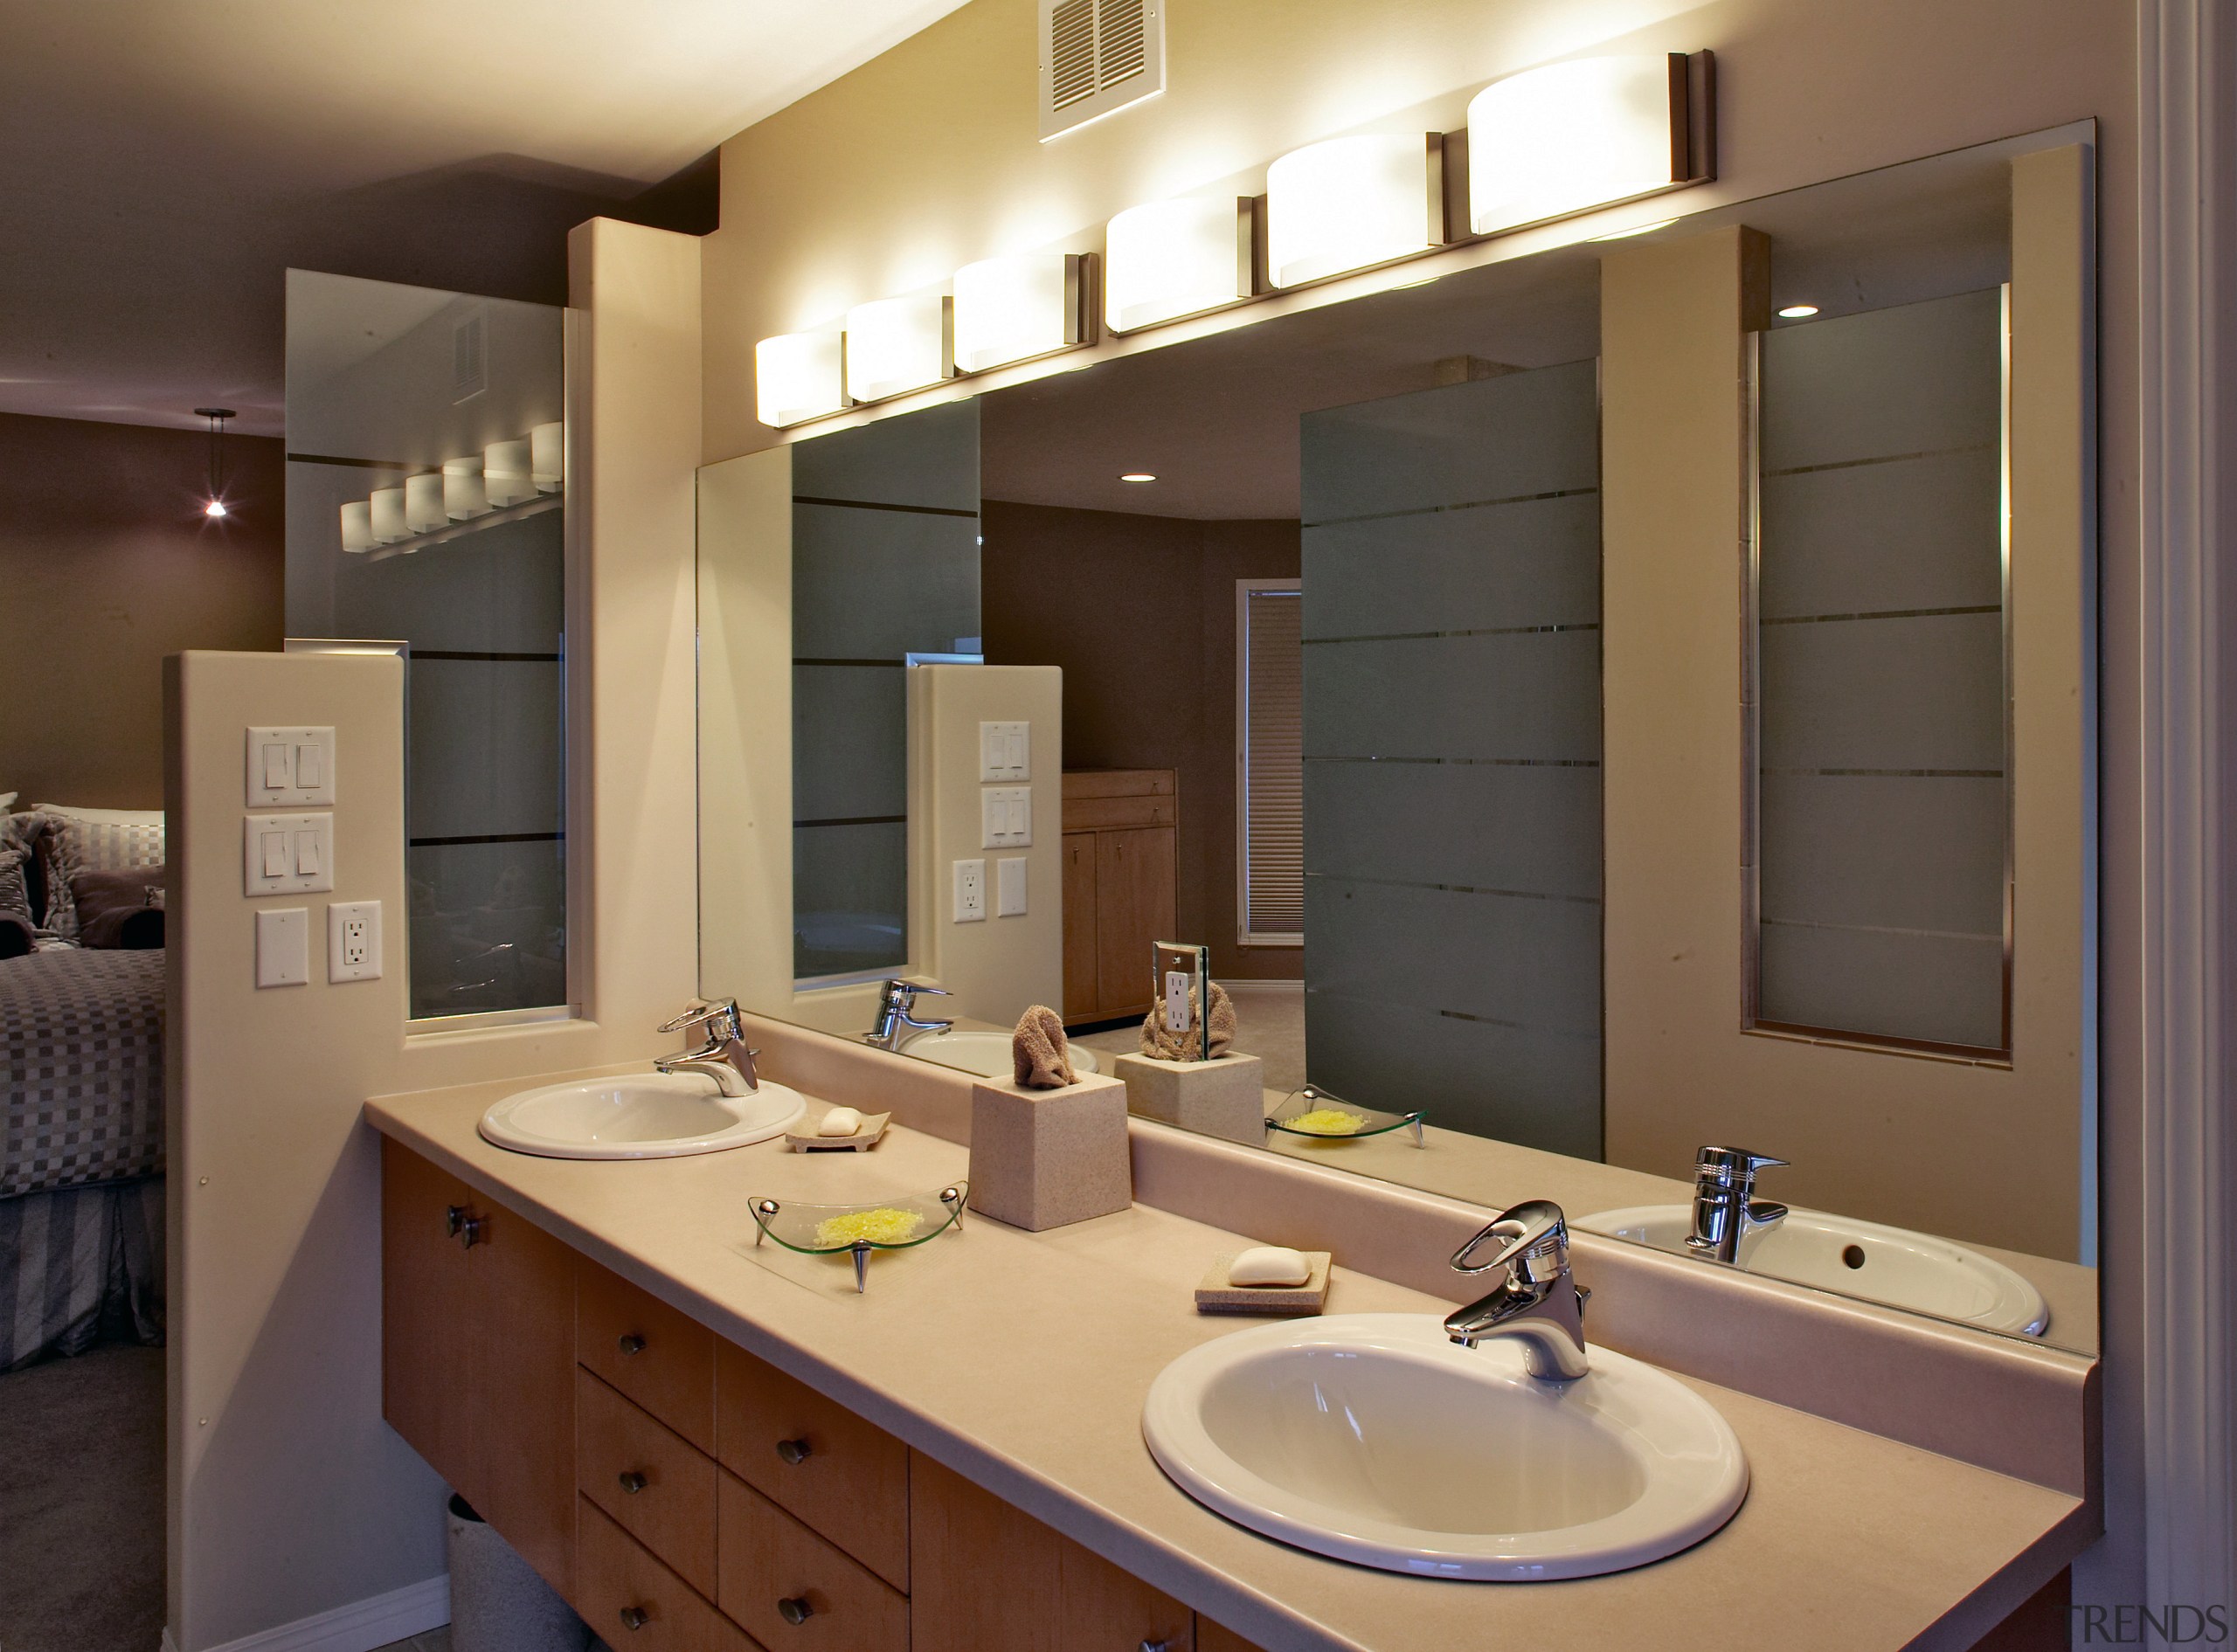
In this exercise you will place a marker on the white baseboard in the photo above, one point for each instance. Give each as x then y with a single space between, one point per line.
360 1627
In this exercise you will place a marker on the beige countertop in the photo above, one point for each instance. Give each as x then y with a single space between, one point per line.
1021 1360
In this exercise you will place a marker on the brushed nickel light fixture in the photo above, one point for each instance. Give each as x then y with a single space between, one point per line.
214 506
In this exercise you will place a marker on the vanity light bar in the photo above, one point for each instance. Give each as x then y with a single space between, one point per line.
1349 204
896 345
799 377
1012 310
503 475
1572 137
1176 258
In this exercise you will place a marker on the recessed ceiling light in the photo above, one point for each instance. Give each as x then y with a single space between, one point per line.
1636 229
1797 312
1138 476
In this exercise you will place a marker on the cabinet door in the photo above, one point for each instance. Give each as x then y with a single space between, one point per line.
1210 1637
1081 999
478 1355
1134 911
985 1577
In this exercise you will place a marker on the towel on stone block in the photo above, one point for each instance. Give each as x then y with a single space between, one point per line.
1187 1046
1039 1056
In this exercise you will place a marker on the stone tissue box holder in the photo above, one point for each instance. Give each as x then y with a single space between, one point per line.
1225 1097
1043 1158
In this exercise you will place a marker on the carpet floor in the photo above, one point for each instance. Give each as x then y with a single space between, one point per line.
81 1503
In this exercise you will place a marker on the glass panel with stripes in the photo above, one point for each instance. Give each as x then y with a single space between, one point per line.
1882 803
1272 722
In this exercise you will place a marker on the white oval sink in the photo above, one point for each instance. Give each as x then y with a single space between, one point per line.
1889 1265
985 1053
639 1116
1375 1439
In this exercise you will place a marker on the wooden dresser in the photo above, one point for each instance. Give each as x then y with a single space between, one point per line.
1119 828
683 1495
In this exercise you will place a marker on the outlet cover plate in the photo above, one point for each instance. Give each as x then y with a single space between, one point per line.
970 891
353 941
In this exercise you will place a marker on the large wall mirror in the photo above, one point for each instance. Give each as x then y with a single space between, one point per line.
1610 702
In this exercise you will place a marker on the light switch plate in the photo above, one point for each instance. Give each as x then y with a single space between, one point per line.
1006 751
1006 816
289 767
353 941
1009 886
288 853
970 891
283 946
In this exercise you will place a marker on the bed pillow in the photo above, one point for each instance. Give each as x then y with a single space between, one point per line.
79 841
119 909
15 884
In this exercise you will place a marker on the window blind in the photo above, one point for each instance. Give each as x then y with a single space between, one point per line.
1271 763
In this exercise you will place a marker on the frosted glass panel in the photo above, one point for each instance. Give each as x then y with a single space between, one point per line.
885 564
1883 810
1451 557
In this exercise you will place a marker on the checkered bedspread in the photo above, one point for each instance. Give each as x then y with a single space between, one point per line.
81 1069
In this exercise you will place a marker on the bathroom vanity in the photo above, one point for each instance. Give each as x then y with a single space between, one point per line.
729 1446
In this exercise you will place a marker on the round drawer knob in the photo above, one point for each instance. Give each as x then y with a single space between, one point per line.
634 1617
794 1451
793 1609
632 1344
633 1482
1156 1646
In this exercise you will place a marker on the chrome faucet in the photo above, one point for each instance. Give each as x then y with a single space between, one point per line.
1537 1301
724 1058
896 1006
1725 1209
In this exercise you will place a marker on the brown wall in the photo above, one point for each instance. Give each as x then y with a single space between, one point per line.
107 564
1139 612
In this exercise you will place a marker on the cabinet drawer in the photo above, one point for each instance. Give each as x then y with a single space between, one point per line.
648 1477
775 1570
846 1478
660 1358
634 1602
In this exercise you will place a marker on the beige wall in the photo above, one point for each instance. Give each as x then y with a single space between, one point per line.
288 1496
107 564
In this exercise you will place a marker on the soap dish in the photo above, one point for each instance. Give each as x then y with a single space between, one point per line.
1315 1113
867 1135
1215 1295
883 1224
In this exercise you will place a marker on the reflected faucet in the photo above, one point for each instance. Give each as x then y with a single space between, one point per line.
1537 1301
1725 1209
897 1005
724 1058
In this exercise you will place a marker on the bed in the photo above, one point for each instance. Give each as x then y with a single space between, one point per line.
81 1140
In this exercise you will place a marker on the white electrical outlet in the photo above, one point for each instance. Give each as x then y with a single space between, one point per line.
353 941
1006 816
1009 886
970 891
283 946
1005 752
290 766
288 853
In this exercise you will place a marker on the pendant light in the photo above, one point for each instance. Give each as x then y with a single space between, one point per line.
214 507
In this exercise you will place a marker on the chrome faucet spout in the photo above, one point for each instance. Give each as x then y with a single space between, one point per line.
1537 1302
897 1007
724 1056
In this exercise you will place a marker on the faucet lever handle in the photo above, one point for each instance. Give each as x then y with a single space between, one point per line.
908 989
1534 1229
1727 1163
718 1010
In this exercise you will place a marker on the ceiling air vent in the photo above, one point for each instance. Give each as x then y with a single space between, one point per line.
1098 57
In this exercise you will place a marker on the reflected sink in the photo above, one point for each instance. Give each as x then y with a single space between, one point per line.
1889 1265
985 1053
1372 1438
639 1116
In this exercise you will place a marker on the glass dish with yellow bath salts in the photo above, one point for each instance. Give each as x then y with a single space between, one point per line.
1317 1113
885 1224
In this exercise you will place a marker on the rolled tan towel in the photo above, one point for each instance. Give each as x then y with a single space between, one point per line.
1039 1057
1186 1046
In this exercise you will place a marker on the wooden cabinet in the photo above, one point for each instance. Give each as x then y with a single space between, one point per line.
477 1354
1119 891
629 1599
1210 1637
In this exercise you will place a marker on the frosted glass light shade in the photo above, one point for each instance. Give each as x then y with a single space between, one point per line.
1011 309
896 345
547 457
358 526
385 511
1348 202
799 375
463 495
505 473
1172 259
1571 137
423 502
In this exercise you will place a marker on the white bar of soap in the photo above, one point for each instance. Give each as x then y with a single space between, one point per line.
840 1121
1269 1265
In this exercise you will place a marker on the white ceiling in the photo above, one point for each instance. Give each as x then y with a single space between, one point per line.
162 162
